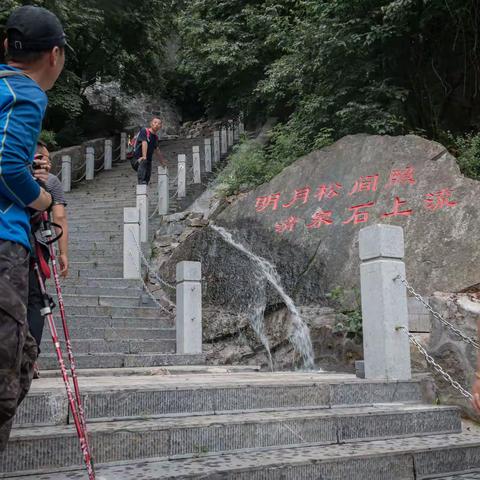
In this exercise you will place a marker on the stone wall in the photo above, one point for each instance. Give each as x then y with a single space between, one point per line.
141 108
77 154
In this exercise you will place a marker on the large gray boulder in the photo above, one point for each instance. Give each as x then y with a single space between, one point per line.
313 239
440 220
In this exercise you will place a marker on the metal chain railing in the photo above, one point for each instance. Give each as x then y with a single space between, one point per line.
149 293
148 266
80 179
438 368
436 315
58 173
80 167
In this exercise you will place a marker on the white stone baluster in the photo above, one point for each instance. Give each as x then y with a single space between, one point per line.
384 303
131 242
216 147
66 173
230 133
189 308
208 155
163 191
123 146
108 155
90 163
197 174
142 206
182 176
223 143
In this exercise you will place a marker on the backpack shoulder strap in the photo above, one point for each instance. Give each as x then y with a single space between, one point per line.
11 73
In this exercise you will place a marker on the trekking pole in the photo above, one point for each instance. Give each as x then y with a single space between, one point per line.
47 312
48 235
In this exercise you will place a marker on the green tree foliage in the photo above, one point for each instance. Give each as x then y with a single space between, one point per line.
375 66
119 40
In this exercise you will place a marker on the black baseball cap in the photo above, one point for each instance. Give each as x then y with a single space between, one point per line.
34 29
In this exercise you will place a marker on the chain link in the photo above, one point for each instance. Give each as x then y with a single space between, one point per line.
438 368
80 167
80 179
149 293
149 268
442 320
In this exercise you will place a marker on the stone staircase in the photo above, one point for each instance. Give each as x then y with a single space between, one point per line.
112 324
152 415
240 425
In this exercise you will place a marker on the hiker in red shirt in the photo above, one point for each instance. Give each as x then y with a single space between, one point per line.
145 145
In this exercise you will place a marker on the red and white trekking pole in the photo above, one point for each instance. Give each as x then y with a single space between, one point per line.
47 313
48 236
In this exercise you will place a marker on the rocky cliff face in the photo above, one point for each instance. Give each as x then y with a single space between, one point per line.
307 219
141 108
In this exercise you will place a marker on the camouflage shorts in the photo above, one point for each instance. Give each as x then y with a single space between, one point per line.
18 349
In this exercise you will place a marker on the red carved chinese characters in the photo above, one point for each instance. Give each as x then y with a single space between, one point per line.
396 209
300 195
264 202
320 218
359 216
438 200
401 177
365 184
328 191
287 226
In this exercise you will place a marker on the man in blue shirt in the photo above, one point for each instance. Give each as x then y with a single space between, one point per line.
147 142
35 47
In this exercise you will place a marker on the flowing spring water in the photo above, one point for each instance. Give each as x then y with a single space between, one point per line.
300 335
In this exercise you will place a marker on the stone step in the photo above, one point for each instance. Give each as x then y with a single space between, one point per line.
207 394
100 227
419 458
78 253
96 281
80 332
90 322
103 291
114 312
71 300
99 271
57 446
93 245
96 345
157 371
119 360
105 237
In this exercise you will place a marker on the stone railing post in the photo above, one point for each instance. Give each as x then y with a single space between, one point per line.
216 147
241 126
230 134
189 308
182 176
123 146
90 163
142 206
386 350
163 191
223 142
66 173
108 155
197 174
208 155
236 131
131 242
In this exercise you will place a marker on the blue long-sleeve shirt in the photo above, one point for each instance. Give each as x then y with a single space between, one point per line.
22 107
